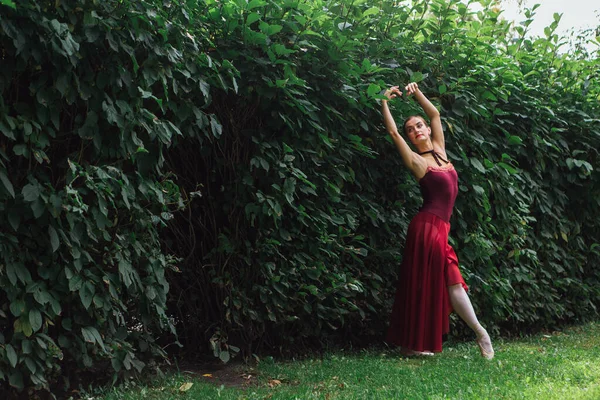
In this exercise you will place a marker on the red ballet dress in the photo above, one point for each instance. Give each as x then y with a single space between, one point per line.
420 315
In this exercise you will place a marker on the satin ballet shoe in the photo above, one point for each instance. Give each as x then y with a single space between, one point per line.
413 353
488 353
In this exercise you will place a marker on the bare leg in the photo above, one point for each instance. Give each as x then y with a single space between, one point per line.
463 307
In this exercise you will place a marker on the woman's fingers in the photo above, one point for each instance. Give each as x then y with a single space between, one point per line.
411 88
393 92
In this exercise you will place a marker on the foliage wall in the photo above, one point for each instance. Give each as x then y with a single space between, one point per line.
83 189
251 130
299 209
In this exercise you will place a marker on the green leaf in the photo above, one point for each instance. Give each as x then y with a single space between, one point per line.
42 296
62 83
56 308
256 3
362 251
54 241
570 163
557 17
268 29
11 354
125 270
252 18
371 11
25 326
26 347
564 236
417 77
224 356
91 335
150 293
35 319
7 184
373 90
6 131
75 283
21 150
313 273
507 167
478 189
205 89
38 207
489 96
215 126
514 140
30 192
86 294
11 273
477 164
16 380
17 307
90 126
30 365
300 18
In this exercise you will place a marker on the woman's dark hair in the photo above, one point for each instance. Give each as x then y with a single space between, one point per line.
411 117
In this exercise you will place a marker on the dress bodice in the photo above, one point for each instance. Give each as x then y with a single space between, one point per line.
439 187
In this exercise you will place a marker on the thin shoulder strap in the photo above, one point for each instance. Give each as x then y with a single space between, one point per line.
436 157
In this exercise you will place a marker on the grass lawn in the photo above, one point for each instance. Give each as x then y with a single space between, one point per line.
561 365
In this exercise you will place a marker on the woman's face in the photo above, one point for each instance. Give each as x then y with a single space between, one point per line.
417 130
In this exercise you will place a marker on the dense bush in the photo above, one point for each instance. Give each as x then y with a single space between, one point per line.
298 225
252 131
88 106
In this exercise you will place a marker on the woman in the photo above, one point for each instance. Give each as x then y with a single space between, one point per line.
430 285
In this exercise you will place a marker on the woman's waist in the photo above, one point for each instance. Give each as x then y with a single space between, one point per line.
437 213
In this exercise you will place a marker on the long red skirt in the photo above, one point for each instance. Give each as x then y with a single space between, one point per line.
420 315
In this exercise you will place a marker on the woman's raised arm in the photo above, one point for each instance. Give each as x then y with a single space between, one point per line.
408 156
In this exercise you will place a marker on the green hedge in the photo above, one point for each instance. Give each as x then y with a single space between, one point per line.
251 131
87 110
299 210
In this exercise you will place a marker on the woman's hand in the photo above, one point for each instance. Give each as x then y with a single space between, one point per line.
412 88
392 93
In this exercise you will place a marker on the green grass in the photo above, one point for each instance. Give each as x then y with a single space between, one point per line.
562 365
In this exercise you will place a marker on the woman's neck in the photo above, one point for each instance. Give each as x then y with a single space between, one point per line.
427 146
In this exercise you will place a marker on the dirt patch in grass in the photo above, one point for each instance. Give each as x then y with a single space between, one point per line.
235 375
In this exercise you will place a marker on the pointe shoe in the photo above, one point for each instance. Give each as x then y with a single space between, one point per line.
485 346
413 353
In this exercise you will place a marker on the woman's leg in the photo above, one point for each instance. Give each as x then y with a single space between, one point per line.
462 306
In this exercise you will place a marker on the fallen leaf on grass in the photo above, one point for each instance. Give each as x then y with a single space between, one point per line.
185 387
208 375
274 382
